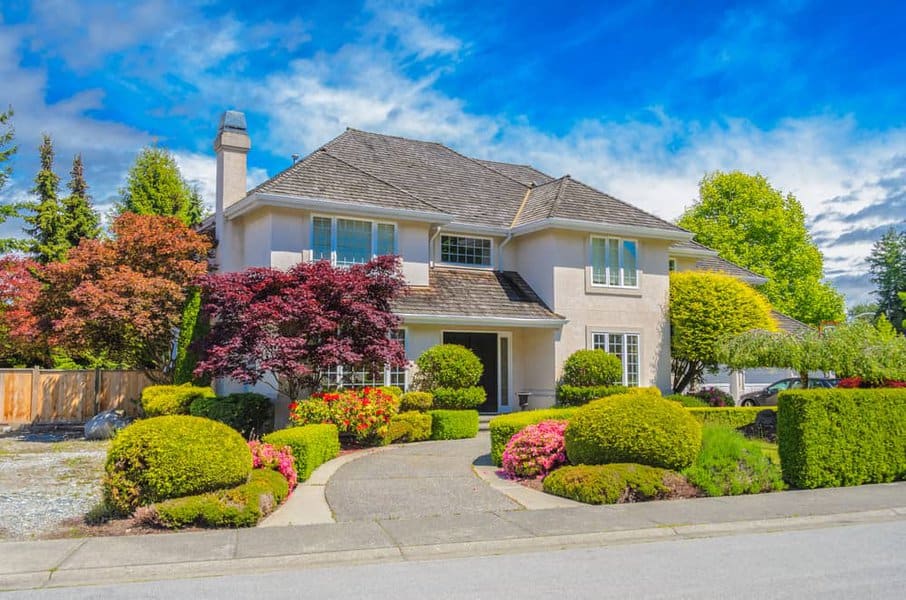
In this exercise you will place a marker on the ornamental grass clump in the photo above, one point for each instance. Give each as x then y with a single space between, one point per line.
535 451
363 415
730 465
268 456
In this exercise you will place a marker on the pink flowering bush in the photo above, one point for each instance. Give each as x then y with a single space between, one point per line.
266 456
536 450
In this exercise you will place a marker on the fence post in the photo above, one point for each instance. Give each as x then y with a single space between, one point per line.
97 390
35 393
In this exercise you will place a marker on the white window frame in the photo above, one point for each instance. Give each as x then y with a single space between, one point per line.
338 373
622 278
605 345
333 235
440 252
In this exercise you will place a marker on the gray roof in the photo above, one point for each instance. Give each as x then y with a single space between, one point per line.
789 324
720 265
394 172
474 293
691 245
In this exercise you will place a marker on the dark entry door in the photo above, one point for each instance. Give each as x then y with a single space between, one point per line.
484 345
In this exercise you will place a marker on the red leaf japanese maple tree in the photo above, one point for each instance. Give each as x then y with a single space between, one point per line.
21 340
298 323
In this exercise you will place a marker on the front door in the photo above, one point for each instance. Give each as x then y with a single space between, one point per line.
484 345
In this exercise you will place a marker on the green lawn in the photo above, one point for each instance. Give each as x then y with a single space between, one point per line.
770 450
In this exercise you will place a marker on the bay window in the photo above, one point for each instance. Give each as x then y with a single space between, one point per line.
614 262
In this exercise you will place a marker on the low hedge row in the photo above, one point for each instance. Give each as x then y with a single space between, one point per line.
241 506
458 398
840 437
608 484
410 426
574 395
248 413
733 417
311 445
162 400
506 426
453 424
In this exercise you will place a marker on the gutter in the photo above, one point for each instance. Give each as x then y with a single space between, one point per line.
422 319
606 228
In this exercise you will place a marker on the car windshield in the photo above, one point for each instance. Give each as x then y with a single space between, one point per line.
778 386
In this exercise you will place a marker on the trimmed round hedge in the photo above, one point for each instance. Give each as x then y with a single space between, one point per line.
633 428
592 368
608 484
459 398
447 366
160 400
168 457
410 426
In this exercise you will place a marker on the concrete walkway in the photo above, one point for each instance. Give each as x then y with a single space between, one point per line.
63 563
416 480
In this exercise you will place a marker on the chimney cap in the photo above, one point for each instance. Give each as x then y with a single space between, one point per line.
233 120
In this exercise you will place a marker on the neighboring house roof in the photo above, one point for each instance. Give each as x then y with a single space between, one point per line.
391 172
789 324
463 295
691 248
720 265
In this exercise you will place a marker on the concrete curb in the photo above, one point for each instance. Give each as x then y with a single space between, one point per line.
179 567
524 496
307 505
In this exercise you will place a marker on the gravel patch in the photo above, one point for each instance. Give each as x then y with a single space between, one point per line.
46 479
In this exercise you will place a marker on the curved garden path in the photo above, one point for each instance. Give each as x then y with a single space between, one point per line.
416 480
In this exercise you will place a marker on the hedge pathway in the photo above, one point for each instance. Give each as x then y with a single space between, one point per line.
416 480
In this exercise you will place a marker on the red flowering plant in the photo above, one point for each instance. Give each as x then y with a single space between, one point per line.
535 451
363 415
267 456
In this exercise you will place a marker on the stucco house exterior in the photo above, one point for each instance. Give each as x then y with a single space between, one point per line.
522 267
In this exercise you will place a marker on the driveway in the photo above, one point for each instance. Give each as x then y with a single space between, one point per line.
416 480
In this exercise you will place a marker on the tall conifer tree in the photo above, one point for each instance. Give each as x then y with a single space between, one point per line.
46 222
82 220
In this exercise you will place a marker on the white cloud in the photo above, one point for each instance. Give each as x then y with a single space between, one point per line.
402 21
200 170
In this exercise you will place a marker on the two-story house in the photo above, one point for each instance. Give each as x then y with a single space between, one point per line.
521 267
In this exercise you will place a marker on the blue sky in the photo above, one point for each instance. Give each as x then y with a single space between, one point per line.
639 100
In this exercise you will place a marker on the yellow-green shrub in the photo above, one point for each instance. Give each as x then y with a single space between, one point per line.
420 401
311 445
411 426
160 400
167 457
633 428
734 416
608 484
453 424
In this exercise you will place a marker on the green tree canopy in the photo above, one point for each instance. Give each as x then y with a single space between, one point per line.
45 219
755 225
82 220
7 150
887 264
705 310
154 186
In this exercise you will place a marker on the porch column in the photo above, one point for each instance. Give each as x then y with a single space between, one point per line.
737 384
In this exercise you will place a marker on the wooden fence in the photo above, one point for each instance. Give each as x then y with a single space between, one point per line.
52 396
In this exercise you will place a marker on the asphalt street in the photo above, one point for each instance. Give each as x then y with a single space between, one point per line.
853 561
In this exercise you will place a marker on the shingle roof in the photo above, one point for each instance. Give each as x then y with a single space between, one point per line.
320 175
690 245
789 324
395 172
474 293
715 263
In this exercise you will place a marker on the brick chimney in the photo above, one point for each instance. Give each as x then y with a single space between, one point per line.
231 145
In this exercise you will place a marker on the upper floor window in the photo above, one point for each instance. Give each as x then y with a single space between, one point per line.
614 262
671 265
350 241
470 251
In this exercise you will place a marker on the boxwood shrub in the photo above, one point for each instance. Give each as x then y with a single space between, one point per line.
688 401
167 457
633 428
840 437
571 395
420 401
453 424
411 426
459 398
506 426
732 417
608 484
312 445
248 413
160 400
447 365
592 368
242 506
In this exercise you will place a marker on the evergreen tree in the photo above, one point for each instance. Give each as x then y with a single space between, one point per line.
887 264
154 186
46 223
7 150
82 220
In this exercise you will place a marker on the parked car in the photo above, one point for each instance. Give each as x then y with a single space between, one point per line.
768 396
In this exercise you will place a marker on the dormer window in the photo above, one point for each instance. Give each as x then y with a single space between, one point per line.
614 262
350 241
467 251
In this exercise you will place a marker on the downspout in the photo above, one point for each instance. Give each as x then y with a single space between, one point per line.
431 245
509 237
